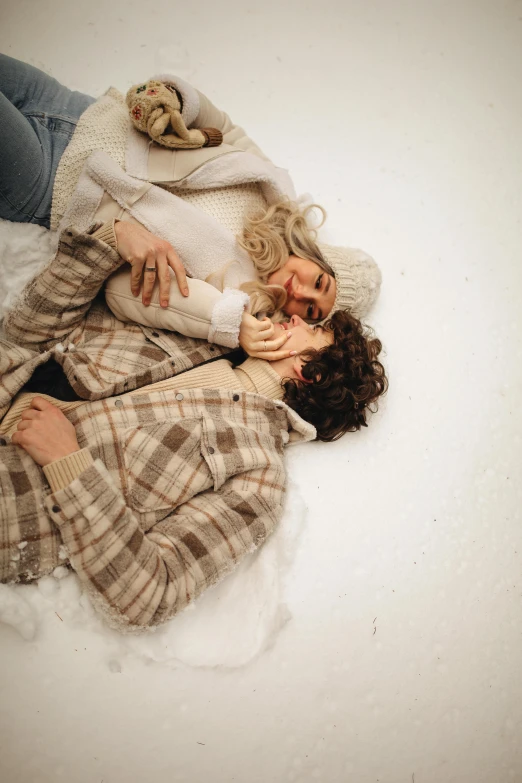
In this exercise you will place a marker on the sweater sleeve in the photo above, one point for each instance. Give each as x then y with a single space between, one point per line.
139 579
57 299
206 312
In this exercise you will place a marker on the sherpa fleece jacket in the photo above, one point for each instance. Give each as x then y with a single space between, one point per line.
127 176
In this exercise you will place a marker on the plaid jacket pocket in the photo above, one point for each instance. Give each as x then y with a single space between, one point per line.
168 463
164 466
231 449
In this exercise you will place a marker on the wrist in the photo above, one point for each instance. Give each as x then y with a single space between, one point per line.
61 453
64 471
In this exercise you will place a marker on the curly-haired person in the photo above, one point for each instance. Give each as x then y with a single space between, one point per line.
162 464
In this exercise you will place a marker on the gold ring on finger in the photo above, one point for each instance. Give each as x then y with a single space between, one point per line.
150 269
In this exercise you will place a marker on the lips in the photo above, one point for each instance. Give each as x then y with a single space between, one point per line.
288 286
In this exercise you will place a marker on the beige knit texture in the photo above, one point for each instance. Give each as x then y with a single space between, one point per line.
107 234
155 109
228 205
62 472
103 126
357 277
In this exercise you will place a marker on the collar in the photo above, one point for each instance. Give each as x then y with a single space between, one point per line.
258 376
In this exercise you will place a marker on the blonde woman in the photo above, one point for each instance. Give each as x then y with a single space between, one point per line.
212 205
293 276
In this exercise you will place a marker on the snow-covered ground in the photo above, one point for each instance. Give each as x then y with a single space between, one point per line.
381 637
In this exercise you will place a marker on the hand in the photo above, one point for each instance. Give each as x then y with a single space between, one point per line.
45 433
144 252
259 339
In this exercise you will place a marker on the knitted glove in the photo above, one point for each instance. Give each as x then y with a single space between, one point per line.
156 108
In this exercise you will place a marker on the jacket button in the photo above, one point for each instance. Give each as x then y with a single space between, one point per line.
118 403
172 362
56 509
3 442
211 348
154 334
210 450
179 396
235 397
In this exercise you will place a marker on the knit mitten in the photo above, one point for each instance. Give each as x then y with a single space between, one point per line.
155 109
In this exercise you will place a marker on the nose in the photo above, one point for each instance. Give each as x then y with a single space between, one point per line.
296 320
298 293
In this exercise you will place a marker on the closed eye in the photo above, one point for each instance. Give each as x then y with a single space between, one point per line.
314 313
319 281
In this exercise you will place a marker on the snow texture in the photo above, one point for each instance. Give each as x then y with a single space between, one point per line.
401 663
228 626
24 249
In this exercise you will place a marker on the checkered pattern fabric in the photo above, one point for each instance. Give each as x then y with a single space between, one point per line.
176 489
62 314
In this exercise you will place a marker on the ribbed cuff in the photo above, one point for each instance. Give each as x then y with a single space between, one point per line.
213 136
107 234
62 472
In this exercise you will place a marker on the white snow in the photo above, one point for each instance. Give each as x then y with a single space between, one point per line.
228 626
390 651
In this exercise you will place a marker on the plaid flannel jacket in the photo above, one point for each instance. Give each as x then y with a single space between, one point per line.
62 315
175 489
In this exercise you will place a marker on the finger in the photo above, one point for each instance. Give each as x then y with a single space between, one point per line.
136 275
262 330
40 404
24 425
163 277
260 346
274 356
275 345
177 267
29 413
149 278
268 325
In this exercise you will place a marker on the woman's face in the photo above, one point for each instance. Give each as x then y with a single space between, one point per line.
310 291
304 336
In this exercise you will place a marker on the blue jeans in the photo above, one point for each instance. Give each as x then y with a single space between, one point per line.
38 117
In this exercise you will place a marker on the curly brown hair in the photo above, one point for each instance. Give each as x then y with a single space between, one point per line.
345 377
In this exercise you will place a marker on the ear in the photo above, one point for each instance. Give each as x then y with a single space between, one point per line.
298 369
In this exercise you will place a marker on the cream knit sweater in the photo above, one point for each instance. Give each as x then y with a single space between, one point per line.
105 125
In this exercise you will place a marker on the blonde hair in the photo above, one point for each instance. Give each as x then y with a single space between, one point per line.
269 237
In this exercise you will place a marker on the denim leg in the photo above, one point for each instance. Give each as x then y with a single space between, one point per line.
21 165
39 117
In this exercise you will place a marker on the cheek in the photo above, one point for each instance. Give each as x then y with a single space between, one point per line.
291 307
